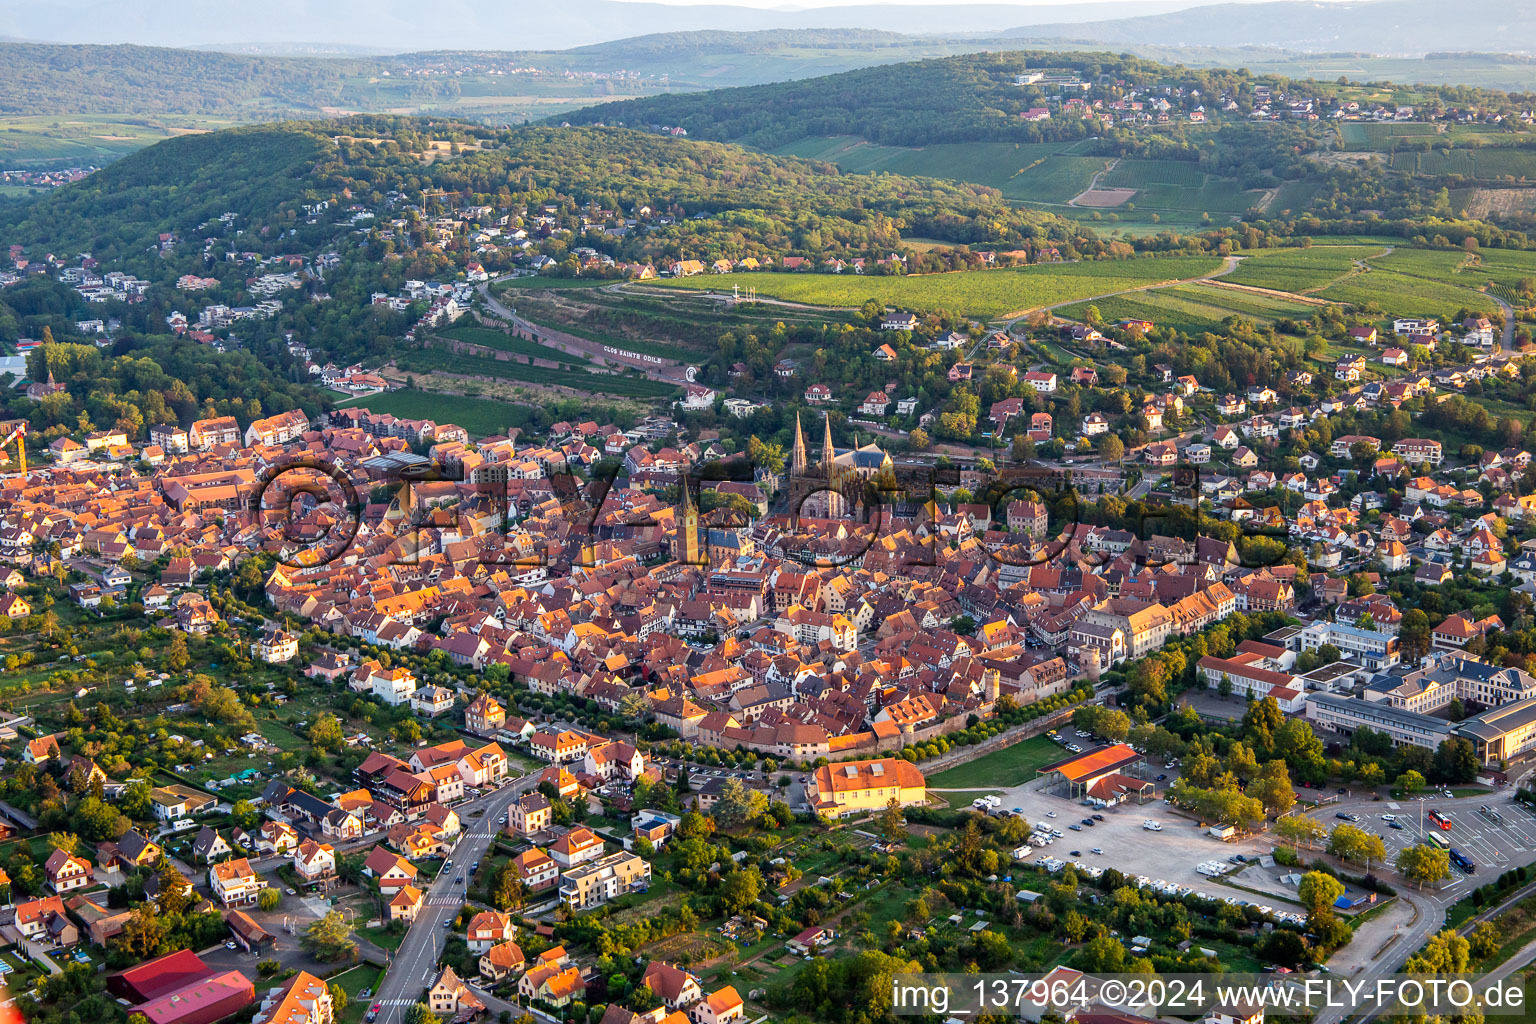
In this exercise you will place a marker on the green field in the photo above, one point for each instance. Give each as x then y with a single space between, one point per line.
503 342
1178 185
1369 135
435 361
1298 270
65 140
1415 282
482 417
1055 179
980 293
1190 308
1007 767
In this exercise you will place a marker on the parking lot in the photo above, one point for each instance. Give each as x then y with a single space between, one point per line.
1496 840
1171 855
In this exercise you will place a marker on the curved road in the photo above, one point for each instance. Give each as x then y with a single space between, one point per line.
1509 324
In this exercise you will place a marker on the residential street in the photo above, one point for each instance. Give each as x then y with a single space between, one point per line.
413 965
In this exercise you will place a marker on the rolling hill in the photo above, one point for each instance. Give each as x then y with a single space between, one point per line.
1413 27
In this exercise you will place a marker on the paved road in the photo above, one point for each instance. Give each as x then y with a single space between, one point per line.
1495 843
415 961
1508 341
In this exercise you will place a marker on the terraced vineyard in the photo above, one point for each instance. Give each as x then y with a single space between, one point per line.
504 342
980 293
671 324
1178 185
1484 163
434 361
482 417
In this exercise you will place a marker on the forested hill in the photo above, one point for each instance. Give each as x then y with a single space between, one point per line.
674 44
968 98
173 186
721 200
42 78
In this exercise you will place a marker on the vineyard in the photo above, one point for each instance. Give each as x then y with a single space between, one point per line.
434 361
980 293
1190 308
1299 270
503 342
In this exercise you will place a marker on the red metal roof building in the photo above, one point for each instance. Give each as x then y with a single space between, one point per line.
202 1002
1080 771
161 976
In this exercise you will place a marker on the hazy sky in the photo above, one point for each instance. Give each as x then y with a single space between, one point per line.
811 5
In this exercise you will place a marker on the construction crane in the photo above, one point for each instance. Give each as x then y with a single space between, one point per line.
19 435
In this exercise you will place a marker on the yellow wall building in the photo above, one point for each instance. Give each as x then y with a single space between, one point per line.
854 787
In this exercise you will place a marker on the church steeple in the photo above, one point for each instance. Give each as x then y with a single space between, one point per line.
797 460
828 454
689 529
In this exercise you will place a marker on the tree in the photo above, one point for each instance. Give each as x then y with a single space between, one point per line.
1282 946
178 659
739 890
1456 761
1317 892
768 456
326 733
338 1000
739 805
1297 829
893 825
1445 953
144 934
1103 955
1356 845
634 706
420 1013
919 439
269 899
507 890
329 939
1485 941
1111 448
1410 781
1423 864
1273 788
1413 634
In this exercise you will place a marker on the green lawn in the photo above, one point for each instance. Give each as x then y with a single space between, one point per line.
980 293
482 417
382 937
1007 767
353 982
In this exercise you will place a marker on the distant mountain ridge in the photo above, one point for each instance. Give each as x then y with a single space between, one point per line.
1410 27
456 24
